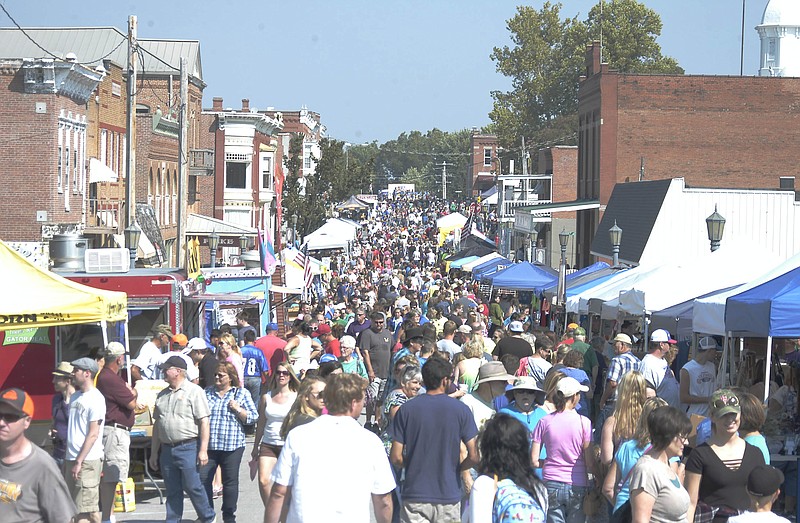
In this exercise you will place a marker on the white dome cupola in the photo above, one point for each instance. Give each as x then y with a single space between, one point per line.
779 31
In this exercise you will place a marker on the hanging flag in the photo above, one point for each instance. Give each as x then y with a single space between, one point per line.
466 231
266 253
193 258
307 276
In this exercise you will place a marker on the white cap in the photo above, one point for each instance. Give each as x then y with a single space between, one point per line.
570 386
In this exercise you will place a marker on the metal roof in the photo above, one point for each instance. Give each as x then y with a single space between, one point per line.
93 44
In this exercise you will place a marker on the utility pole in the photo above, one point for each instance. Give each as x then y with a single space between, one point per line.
524 158
183 156
130 127
444 180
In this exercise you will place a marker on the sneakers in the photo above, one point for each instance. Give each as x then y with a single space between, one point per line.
200 520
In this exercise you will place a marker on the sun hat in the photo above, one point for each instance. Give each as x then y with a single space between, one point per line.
569 386
724 401
624 338
662 336
525 383
63 370
492 371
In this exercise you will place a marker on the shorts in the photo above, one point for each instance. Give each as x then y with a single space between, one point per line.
116 447
265 450
85 491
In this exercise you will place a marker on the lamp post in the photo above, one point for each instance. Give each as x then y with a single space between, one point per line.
132 234
244 242
715 225
213 243
615 234
294 229
563 239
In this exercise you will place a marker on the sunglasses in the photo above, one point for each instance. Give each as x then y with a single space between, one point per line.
726 401
11 418
282 372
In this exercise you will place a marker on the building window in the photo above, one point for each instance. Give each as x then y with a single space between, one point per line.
103 146
772 52
235 175
307 157
487 157
60 171
266 172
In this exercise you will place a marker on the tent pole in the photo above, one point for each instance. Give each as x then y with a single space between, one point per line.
769 368
722 365
104 326
127 350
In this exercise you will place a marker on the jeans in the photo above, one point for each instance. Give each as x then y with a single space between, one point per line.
605 413
228 461
180 472
253 386
566 502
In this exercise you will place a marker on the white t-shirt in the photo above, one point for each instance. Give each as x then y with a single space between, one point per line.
192 372
480 410
656 479
147 360
656 371
702 382
757 517
537 369
307 465
85 408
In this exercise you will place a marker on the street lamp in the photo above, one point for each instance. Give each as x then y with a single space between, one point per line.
132 234
244 241
615 234
294 229
715 225
213 243
563 239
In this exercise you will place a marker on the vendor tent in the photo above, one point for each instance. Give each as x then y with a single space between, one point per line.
353 204
335 233
607 290
579 277
451 221
770 309
524 276
473 246
458 264
34 297
492 264
483 259
709 313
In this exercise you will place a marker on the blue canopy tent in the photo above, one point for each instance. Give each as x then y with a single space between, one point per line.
456 264
524 276
768 310
582 276
488 266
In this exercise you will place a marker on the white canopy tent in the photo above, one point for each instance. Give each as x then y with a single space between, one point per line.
451 221
483 259
608 290
335 233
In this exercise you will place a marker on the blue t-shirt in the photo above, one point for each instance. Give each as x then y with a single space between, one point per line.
628 454
581 377
254 362
760 442
530 420
430 428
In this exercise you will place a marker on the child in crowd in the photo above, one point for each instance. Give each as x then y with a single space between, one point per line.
763 486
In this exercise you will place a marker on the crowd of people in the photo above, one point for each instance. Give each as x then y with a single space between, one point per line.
471 411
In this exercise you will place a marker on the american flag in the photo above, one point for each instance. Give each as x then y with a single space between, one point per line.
466 231
306 263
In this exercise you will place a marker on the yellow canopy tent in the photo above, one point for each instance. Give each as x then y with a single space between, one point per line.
33 297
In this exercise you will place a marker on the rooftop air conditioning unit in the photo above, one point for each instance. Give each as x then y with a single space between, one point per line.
107 260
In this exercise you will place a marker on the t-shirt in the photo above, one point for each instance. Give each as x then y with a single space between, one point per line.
757 517
657 373
379 346
207 368
85 408
481 412
564 434
760 442
272 348
431 429
656 479
719 485
512 345
448 346
334 347
701 384
619 366
253 362
32 490
626 457
589 356
512 504
117 395
147 360
537 369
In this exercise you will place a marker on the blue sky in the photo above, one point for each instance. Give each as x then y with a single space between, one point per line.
376 68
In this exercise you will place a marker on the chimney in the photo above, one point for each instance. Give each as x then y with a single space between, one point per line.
217 103
593 58
245 105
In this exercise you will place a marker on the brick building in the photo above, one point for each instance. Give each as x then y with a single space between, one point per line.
713 131
483 163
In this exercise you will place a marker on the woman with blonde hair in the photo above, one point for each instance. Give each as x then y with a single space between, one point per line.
621 426
615 486
272 410
229 351
466 371
308 405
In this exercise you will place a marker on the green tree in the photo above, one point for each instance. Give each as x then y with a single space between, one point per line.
301 195
548 57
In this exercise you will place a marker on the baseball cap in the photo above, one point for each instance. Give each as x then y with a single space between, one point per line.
328 357
195 344
271 327
465 329
85 364
164 329
115 348
515 326
724 401
415 332
662 336
180 339
624 338
64 369
580 331
707 343
572 326
18 400
569 386
322 329
764 480
173 361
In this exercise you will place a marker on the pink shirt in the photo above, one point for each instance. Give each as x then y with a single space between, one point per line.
563 435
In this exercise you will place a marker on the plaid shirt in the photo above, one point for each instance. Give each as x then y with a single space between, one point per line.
226 432
619 366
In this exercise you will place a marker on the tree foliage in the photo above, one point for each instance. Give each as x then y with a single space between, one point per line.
548 57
